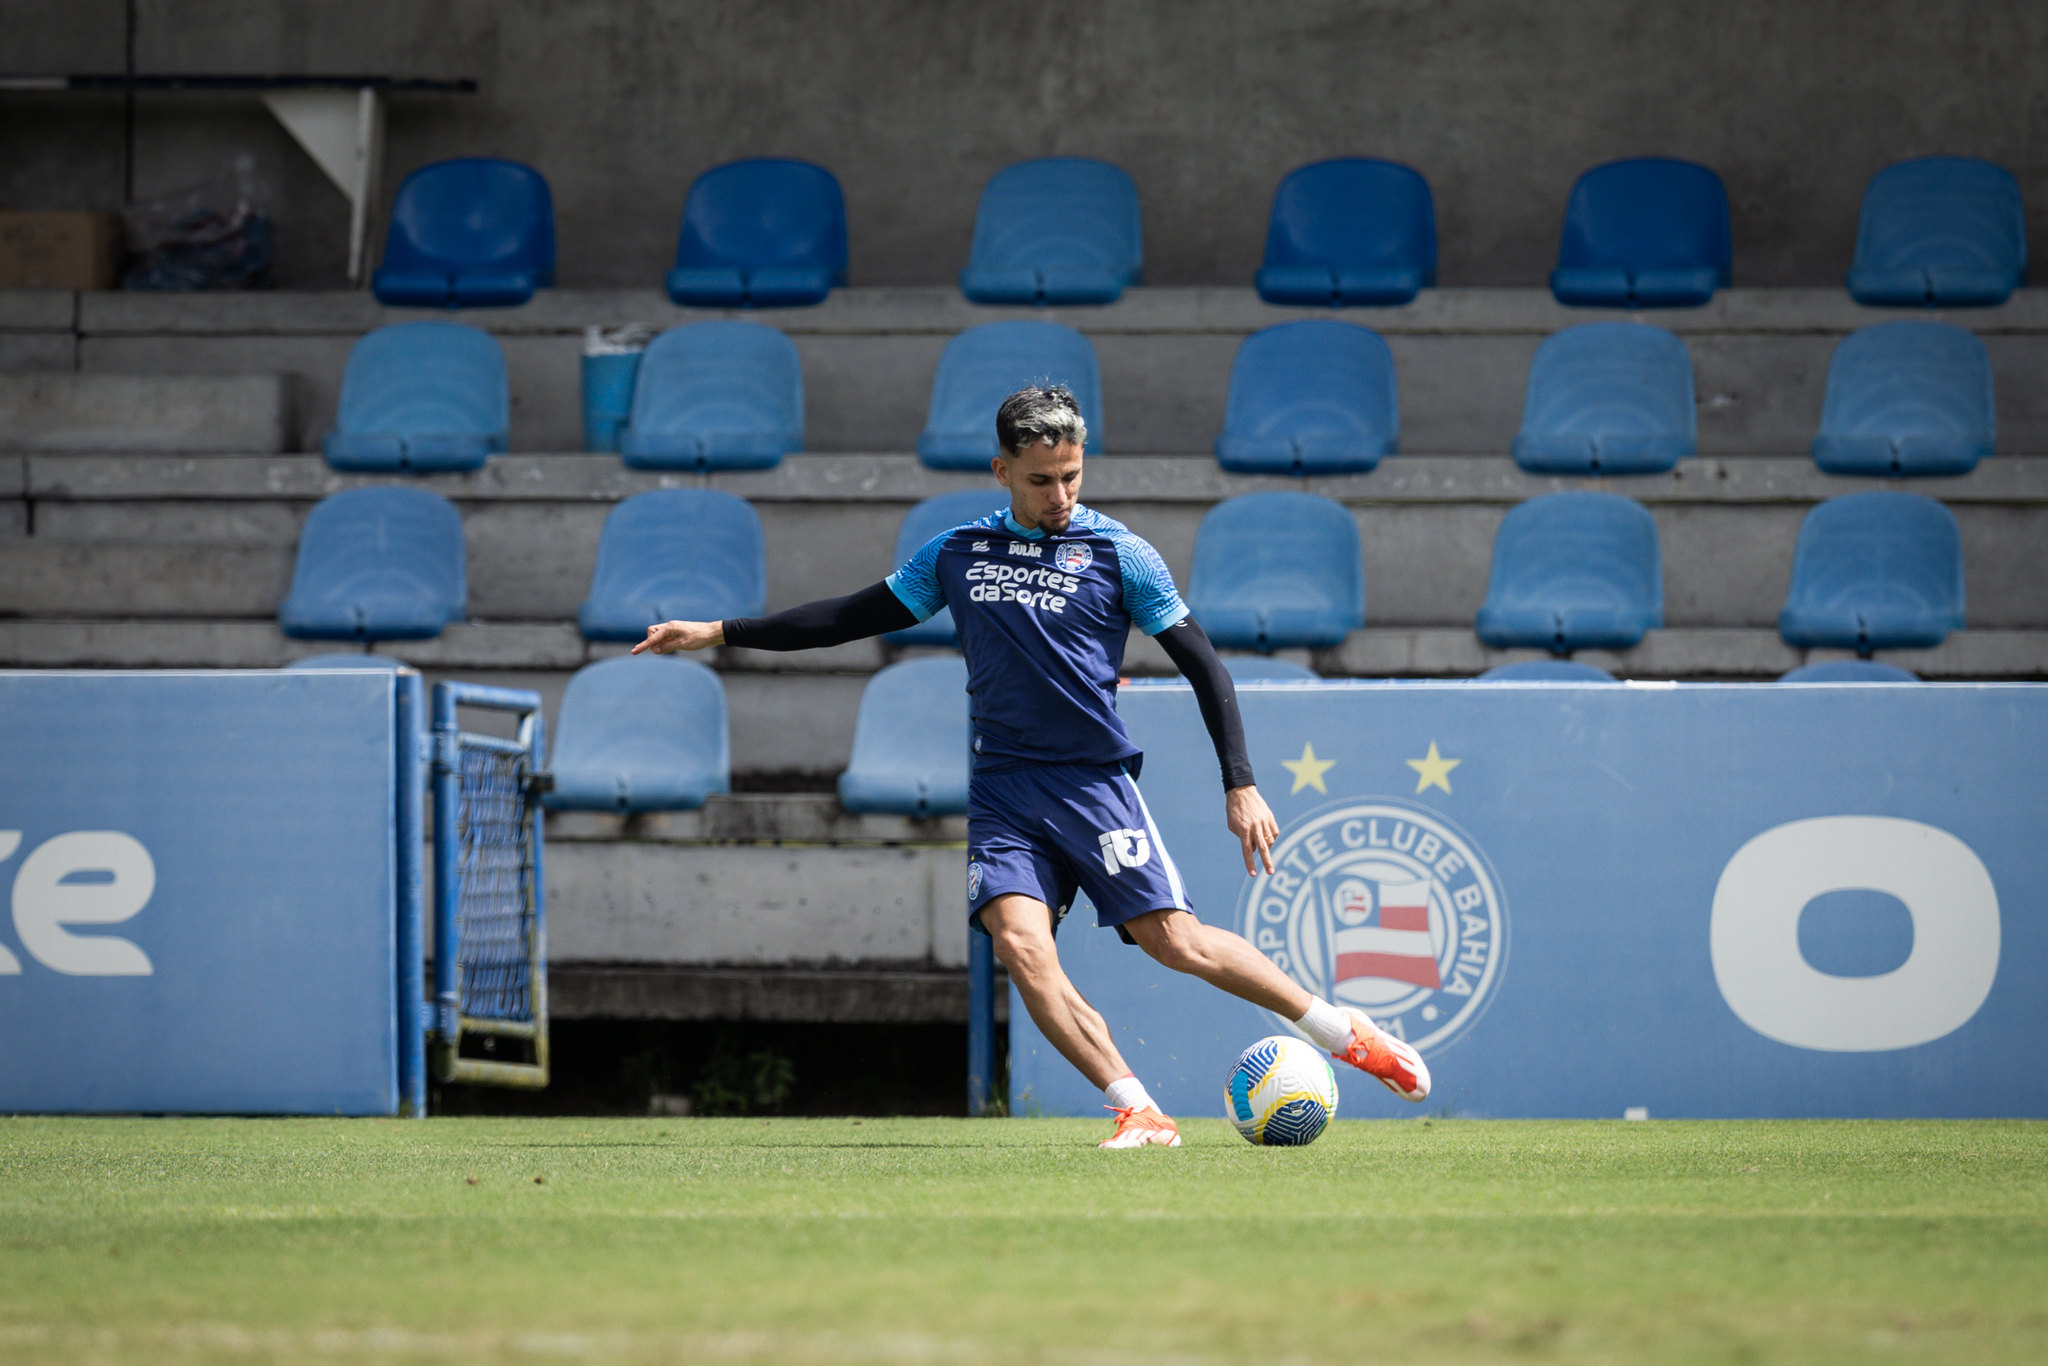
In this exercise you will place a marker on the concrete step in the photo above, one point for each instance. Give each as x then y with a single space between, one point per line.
583 991
894 478
756 818
1760 356
756 905
156 413
703 914
213 538
943 311
473 649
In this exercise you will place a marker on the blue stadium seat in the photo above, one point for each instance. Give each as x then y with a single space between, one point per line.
1647 233
910 741
471 233
640 733
1547 671
1065 230
715 396
1349 231
377 564
421 396
1849 671
1276 571
1608 398
1907 398
1875 571
1573 571
1311 397
675 555
765 233
985 365
1940 232
928 519
357 663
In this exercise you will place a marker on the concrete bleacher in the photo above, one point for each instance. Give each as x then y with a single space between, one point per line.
757 906
1759 356
171 545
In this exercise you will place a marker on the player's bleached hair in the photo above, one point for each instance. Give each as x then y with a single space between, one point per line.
1040 412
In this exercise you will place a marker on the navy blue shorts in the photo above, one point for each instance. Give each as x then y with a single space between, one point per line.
1052 829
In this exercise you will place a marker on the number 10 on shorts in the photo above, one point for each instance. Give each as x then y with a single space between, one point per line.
1124 849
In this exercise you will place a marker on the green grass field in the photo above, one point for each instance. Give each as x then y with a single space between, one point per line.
952 1240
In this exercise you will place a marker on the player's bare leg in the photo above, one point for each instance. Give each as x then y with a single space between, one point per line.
1225 960
1021 927
1222 959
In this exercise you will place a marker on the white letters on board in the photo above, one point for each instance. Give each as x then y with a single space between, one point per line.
86 877
1754 934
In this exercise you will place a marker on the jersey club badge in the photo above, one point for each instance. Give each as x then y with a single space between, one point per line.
1073 556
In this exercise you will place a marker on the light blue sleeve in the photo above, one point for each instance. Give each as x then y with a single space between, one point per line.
916 584
1149 595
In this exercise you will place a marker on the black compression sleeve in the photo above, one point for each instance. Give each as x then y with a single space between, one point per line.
829 621
1187 645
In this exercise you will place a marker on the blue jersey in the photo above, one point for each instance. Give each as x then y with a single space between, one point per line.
1042 620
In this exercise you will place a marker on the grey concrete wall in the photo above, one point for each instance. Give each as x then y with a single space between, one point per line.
679 903
1760 358
1501 103
159 414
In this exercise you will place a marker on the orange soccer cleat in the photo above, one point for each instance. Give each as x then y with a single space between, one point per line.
1380 1054
1141 1128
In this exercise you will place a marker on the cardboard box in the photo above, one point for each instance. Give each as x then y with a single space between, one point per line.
59 250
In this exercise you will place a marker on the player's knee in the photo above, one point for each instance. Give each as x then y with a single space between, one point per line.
1170 938
1024 954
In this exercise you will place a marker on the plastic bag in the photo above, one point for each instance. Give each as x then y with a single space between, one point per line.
622 340
214 236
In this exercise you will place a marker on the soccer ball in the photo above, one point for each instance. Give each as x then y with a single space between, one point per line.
1282 1093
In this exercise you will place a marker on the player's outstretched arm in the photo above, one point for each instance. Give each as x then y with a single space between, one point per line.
829 621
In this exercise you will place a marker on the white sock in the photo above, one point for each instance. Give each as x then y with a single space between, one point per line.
1127 1093
1328 1026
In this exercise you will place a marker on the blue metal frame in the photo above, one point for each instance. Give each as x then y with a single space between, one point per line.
981 1023
449 1022
411 711
981 1013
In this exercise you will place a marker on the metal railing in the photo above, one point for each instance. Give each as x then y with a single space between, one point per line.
490 921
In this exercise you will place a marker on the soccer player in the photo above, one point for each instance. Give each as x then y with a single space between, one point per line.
1043 597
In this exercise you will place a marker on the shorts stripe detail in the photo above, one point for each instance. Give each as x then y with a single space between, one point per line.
1180 891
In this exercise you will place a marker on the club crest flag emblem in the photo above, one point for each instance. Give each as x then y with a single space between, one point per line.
1379 930
1384 905
1073 557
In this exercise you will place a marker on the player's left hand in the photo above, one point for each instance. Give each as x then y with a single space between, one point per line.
1251 820
665 638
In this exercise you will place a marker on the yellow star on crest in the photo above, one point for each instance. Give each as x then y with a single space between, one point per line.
1433 770
1308 770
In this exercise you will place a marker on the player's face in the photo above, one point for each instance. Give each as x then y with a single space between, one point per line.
1044 483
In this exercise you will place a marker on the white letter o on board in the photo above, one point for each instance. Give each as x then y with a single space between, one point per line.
1773 989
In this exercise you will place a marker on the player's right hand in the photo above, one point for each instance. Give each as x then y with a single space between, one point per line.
1251 820
669 636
